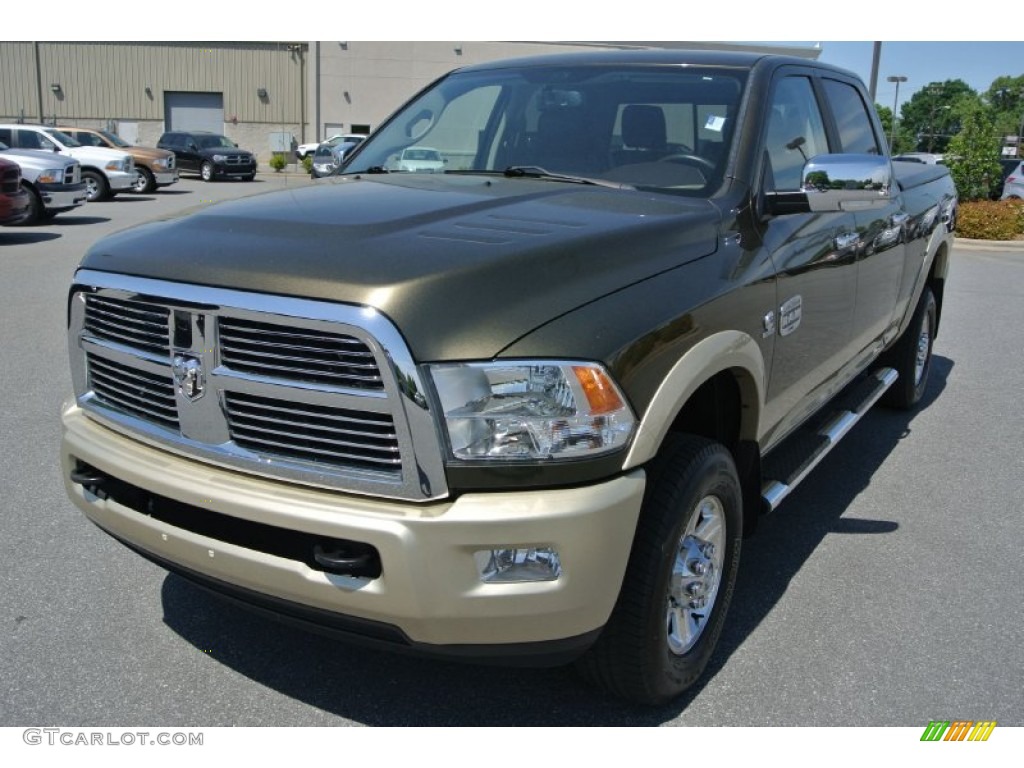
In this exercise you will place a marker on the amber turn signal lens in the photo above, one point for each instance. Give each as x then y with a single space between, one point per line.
598 389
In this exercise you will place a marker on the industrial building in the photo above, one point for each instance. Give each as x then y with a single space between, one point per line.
266 96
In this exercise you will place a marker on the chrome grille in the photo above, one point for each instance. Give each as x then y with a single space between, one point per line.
73 174
316 433
144 395
308 391
134 323
237 160
172 162
299 354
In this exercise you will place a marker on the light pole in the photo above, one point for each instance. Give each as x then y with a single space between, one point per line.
895 102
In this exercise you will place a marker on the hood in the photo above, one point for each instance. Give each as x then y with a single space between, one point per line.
148 153
98 155
211 151
463 265
38 159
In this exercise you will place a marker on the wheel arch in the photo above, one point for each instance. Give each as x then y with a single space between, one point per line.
937 279
716 390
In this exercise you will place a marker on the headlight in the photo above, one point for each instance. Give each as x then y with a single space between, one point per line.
531 410
160 162
51 176
219 158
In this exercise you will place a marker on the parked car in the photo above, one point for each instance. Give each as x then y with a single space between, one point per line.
1013 184
154 167
336 139
104 171
211 155
53 181
420 160
328 159
14 200
927 158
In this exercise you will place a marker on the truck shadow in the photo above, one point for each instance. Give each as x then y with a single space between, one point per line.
388 689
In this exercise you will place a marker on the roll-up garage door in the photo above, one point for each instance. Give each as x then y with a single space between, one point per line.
192 111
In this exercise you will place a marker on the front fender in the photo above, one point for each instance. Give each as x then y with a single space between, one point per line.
723 351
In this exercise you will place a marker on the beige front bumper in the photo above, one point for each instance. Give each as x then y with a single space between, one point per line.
430 586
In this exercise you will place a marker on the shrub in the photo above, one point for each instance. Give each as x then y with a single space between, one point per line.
278 162
991 220
973 158
307 163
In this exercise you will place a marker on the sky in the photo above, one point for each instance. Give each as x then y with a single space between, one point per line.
976 63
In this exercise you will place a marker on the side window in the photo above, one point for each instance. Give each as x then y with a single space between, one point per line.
29 140
796 132
5 137
855 132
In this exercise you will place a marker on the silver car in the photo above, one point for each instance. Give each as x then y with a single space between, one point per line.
328 158
1013 186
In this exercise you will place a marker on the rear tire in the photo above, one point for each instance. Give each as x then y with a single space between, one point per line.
911 356
680 577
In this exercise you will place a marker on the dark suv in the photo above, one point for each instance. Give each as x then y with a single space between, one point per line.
210 155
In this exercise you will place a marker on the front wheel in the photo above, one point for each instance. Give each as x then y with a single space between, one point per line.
680 576
144 182
36 210
206 171
96 187
911 356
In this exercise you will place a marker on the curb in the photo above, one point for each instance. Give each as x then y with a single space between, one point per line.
967 244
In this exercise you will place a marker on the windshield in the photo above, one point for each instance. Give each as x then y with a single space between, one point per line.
666 128
63 138
114 139
209 142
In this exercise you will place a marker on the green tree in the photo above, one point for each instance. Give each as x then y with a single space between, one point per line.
973 157
1005 97
935 113
904 140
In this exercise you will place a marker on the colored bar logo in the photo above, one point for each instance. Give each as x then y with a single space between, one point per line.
958 730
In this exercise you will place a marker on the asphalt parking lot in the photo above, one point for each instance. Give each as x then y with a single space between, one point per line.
887 590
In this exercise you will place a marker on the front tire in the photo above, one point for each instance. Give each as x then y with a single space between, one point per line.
96 187
144 182
36 209
680 577
206 171
911 356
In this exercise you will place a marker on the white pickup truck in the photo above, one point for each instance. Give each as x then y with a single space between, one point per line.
53 182
104 171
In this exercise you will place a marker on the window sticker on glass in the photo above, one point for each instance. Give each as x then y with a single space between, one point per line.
715 123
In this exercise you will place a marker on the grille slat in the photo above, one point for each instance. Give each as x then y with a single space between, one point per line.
139 393
311 432
134 323
327 358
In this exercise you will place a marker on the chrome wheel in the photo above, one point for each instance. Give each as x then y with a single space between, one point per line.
92 188
206 171
924 346
696 575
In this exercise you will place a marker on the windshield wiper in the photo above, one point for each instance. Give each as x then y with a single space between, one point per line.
536 172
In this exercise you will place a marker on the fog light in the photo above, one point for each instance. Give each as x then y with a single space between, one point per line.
503 566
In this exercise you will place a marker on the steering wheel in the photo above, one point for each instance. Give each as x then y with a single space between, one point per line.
687 159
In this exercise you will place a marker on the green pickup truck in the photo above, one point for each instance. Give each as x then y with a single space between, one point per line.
526 403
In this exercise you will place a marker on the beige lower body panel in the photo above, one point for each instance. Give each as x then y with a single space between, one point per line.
430 586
